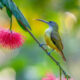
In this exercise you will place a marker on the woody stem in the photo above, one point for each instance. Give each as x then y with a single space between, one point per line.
11 23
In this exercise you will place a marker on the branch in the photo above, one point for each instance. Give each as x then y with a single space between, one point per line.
57 63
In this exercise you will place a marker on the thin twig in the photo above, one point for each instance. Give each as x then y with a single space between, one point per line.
11 23
60 74
57 63
67 78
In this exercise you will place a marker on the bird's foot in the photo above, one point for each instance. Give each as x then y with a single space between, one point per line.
50 52
42 44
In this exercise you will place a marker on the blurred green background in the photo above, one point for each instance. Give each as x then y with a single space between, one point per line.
30 62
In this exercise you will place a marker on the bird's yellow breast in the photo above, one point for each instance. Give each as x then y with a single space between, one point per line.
48 40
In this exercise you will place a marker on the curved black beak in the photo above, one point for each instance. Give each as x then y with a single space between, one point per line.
42 20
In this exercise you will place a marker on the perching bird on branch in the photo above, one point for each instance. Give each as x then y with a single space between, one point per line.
52 37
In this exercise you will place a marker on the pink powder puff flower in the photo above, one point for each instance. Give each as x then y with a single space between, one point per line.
10 39
50 76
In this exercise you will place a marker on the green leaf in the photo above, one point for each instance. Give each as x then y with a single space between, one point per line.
9 12
1 5
17 13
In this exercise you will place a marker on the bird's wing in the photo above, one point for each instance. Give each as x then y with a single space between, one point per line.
55 37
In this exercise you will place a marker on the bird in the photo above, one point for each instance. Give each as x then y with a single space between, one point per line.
52 37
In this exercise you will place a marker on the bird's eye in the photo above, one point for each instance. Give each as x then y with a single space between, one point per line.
50 22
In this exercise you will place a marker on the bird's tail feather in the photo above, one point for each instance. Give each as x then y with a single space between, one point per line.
62 54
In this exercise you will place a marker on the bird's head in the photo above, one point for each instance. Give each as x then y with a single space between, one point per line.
50 23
